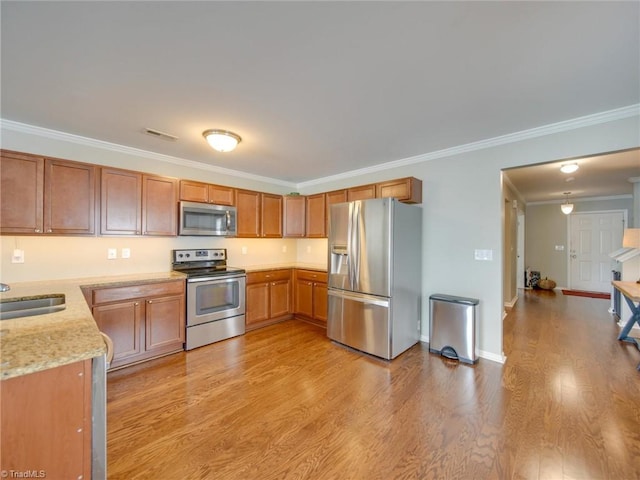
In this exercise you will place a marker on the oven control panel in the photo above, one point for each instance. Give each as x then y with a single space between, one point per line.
203 255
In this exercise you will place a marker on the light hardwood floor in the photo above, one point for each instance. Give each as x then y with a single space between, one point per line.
283 402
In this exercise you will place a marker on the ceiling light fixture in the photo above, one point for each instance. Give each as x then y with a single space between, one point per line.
222 140
567 207
569 167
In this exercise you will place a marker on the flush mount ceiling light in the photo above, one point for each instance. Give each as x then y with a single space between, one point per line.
566 207
569 167
222 140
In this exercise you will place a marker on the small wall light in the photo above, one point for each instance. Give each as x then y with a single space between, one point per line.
566 207
569 167
222 140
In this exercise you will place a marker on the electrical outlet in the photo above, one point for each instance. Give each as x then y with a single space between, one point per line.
18 256
284 249
308 248
244 250
112 253
125 253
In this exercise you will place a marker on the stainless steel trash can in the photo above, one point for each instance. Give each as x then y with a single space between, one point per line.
452 327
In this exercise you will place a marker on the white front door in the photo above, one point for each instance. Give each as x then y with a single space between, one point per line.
592 236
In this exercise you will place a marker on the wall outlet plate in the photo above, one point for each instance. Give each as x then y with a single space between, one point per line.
112 253
17 256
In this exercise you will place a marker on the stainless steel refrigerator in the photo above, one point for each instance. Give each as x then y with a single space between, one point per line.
375 280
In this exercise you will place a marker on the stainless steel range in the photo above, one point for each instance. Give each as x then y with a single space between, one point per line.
215 296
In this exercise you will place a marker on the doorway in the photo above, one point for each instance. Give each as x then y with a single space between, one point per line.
592 236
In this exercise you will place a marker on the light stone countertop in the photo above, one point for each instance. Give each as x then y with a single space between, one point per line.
31 344
280 266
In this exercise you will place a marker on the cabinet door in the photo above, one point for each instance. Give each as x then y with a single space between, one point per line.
21 193
257 302
123 323
363 192
164 323
69 197
221 195
320 302
271 215
249 206
407 190
194 191
120 202
46 423
159 206
315 213
304 298
337 196
294 216
280 298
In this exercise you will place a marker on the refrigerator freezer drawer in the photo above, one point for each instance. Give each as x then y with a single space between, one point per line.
361 322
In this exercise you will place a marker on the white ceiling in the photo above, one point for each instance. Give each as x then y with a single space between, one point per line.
314 88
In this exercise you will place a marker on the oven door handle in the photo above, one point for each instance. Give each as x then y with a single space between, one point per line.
219 278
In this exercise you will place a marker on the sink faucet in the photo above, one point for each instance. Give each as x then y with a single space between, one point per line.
4 287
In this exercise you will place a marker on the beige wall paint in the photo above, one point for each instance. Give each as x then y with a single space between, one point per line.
462 209
547 226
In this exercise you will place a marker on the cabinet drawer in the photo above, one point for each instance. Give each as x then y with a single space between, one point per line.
311 276
116 294
268 276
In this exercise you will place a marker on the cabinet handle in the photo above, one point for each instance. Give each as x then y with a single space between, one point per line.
49 231
37 230
150 301
273 283
137 303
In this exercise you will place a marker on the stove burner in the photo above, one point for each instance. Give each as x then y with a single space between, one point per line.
203 263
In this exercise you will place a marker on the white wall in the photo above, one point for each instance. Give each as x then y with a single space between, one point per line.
462 207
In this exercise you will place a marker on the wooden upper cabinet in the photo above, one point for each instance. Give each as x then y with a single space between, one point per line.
294 216
159 206
271 215
407 190
316 216
46 195
21 193
337 196
121 202
206 193
249 210
362 192
137 204
69 198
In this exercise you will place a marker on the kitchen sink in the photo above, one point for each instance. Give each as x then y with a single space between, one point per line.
31 306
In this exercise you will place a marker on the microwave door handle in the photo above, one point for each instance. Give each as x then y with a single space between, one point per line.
228 214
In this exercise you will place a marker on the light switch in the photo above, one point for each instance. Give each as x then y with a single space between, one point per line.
112 253
485 255
244 250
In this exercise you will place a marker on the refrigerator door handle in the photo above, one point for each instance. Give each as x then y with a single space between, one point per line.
369 300
350 246
356 245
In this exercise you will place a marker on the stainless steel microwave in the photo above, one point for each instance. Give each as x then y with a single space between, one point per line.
207 220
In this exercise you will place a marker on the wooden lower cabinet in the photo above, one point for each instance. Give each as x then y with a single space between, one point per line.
268 298
311 296
143 321
46 423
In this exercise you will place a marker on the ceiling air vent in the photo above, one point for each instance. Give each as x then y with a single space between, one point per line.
159 134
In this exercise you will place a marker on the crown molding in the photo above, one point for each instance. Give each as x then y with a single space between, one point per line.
114 147
580 122
580 200
564 126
